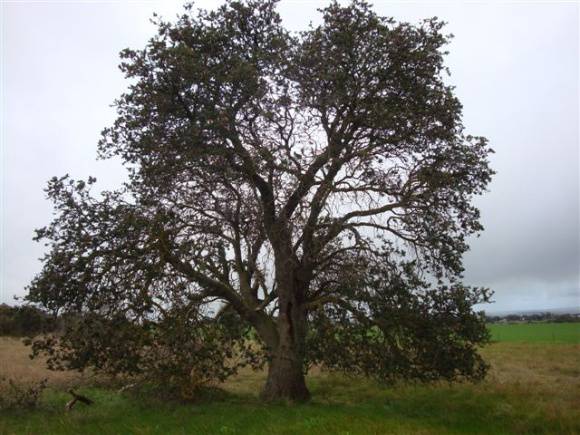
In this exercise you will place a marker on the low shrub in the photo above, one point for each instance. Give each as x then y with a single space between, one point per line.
18 395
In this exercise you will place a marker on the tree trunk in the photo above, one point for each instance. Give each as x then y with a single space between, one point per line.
286 380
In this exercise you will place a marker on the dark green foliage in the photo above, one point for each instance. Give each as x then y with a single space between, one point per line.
426 336
179 353
316 188
25 320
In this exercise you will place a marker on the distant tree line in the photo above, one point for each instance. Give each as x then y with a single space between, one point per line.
26 320
535 317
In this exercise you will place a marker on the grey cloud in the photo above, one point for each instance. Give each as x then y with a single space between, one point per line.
515 68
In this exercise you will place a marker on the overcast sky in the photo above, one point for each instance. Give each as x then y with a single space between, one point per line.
514 65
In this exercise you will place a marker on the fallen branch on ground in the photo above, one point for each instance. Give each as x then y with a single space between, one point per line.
127 387
77 398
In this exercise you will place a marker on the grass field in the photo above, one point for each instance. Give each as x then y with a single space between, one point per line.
536 332
532 388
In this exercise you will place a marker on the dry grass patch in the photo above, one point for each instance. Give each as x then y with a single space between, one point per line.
546 373
15 363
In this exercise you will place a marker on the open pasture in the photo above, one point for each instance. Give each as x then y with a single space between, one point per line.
539 332
531 388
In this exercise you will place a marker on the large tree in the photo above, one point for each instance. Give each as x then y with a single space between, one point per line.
314 188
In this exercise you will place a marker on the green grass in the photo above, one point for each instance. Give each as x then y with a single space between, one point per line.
536 332
532 388
341 406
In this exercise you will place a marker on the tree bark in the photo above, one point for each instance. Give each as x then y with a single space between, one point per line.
286 371
286 374
286 377
286 380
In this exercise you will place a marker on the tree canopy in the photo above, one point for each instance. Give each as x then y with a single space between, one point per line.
312 190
